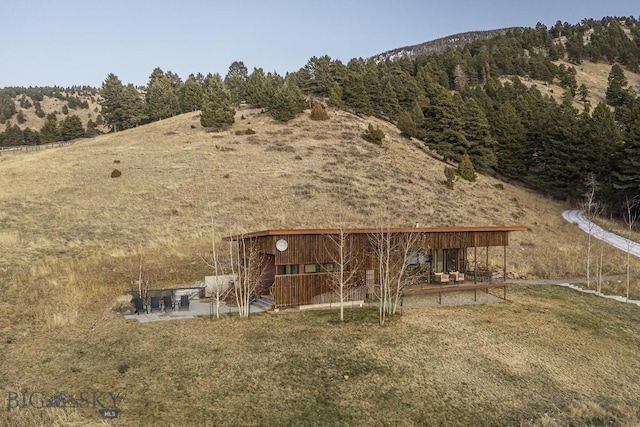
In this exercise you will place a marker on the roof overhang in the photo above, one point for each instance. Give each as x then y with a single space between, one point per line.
335 231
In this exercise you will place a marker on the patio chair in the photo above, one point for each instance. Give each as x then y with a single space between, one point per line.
184 302
167 301
139 306
155 304
442 277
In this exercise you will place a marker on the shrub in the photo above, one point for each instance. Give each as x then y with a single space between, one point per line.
374 135
116 173
250 131
466 170
450 176
318 112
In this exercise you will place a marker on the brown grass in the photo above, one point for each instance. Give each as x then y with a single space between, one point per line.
593 75
69 235
50 105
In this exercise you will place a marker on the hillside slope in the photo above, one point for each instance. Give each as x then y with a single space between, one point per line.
176 177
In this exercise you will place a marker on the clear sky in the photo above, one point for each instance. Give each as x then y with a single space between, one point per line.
79 42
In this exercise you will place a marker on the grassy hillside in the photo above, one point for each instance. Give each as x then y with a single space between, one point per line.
72 239
593 75
55 105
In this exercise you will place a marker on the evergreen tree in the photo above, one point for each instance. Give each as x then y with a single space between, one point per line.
236 82
602 148
617 86
442 127
191 95
407 126
217 110
627 173
71 128
482 145
111 103
355 94
162 98
288 102
373 88
31 137
465 169
12 136
335 96
558 156
132 108
318 79
256 88
390 106
511 137
38 109
50 132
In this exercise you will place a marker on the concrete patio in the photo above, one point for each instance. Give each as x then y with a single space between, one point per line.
202 308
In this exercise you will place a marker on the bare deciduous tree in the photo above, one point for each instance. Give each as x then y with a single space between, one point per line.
592 209
247 267
392 252
631 217
346 264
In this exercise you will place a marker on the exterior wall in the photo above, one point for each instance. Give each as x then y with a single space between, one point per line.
311 288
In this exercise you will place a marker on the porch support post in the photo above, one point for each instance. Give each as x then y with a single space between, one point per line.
505 267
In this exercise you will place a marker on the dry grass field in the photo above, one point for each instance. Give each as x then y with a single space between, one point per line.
70 236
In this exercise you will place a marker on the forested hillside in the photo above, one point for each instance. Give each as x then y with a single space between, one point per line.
493 100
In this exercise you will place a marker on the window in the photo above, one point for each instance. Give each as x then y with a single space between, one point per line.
311 268
291 269
327 267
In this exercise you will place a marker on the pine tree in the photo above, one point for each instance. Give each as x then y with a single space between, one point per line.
31 137
71 128
132 108
335 96
50 132
511 137
390 105
617 86
318 76
482 145
217 110
162 98
256 89
12 135
442 127
288 102
355 94
407 126
236 82
111 102
191 95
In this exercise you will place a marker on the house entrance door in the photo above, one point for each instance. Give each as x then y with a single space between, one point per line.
267 273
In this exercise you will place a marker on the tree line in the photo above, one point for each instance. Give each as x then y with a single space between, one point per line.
458 103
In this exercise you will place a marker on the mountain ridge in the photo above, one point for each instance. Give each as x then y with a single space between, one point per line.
440 44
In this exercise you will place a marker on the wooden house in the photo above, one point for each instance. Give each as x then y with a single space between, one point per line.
300 267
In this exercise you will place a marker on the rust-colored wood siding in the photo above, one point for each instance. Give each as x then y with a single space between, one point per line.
312 248
302 289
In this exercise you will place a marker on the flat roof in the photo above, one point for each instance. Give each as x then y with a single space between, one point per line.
316 231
